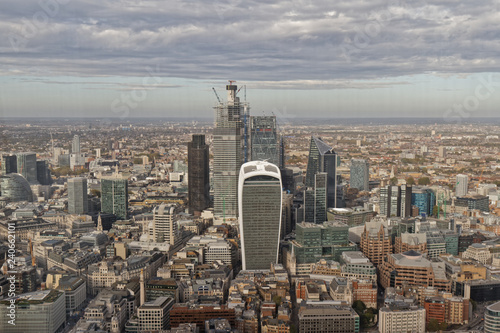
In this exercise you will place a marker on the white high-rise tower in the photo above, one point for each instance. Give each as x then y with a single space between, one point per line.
462 185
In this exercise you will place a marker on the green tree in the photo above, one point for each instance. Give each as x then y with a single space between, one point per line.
410 181
277 300
433 325
424 181
394 181
359 307
474 304
435 211
95 192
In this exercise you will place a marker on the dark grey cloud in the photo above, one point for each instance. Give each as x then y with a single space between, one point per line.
305 42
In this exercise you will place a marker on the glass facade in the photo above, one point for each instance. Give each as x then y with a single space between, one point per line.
315 200
77 196
15 187
492 318
321 241
424 199
198 174
228 154
114 197
260 214
264 139
322 158
26 166
359 174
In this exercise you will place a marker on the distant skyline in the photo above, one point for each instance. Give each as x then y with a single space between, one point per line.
298 58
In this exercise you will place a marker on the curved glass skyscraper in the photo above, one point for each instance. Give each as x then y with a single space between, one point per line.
259 202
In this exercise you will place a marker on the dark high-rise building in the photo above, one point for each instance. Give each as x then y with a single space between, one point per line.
282 156
264 139
322 158
114 197
406 191
359 174
198 174
77 196
228 154
287 180
9 164
396 201
43 173
26 166
260 213
315 200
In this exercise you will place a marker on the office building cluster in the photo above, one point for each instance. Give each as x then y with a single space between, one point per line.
249 224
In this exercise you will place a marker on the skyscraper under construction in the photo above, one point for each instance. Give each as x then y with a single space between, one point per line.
229 152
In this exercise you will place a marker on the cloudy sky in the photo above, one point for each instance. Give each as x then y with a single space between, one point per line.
340 59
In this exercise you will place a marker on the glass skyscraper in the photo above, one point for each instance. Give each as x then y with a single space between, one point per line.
198 174
26 166
359 174
264 139
315 200
77 196
322 158
114 197
424 199
260 213
9 164
228 154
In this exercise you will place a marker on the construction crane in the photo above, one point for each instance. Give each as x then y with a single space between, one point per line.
231 82
480 178
215 92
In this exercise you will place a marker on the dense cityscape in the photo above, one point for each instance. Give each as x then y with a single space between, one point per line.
249 223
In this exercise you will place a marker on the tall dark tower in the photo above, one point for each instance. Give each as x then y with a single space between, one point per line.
198 174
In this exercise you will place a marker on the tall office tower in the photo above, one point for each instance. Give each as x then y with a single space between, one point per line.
114 197
9 164
75 146
228 154
78 202
395 201
282 156
385 201
260 212
462 185
359 174
26 166
165 224
442 152
322 158
406 191
198 174
424 198
315 199
264 139
43 172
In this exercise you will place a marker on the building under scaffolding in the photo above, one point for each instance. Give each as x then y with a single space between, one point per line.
229 152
